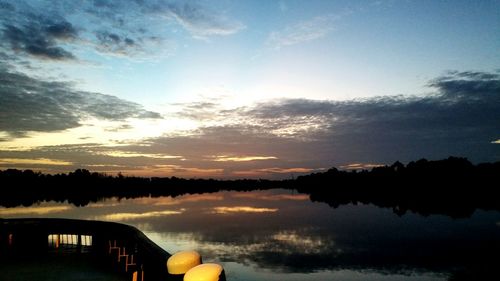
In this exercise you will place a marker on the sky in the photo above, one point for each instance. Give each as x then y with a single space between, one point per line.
246 89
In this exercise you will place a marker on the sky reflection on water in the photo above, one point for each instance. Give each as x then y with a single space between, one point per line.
281 235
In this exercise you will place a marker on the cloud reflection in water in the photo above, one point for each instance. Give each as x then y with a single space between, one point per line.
280 235
134 216
242 209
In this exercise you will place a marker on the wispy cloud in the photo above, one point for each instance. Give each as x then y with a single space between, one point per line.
277 170
201 22
182 171
128 154
225 158
303 31
38 161
360 166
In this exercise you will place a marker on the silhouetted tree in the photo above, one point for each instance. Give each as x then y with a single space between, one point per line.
452 186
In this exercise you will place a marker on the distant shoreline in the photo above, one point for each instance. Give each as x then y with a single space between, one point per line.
453 186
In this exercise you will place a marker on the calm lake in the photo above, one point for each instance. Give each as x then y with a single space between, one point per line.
282 235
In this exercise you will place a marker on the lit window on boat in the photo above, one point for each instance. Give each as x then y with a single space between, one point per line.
69 239
86 240
56 240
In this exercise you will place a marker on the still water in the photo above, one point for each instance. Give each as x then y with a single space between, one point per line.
282 235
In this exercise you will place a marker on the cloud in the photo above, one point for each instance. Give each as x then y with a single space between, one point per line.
185 171
199 111
200 22
136 29
467 85
114 43
38 161
26 29
360 166
226 158
29 104
274 170
459 117
128 154
303 31
40 39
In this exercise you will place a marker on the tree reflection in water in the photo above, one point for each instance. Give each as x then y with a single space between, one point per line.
282 235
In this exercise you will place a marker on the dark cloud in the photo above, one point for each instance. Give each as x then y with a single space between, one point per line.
28 30
460 118
469 85
40 40
114 43
61 30
29 104
474 75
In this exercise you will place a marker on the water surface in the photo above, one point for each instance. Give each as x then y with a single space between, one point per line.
282 235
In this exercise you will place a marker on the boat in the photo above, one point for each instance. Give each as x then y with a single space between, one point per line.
102 250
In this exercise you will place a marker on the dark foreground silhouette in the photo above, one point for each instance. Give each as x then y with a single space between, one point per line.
452 187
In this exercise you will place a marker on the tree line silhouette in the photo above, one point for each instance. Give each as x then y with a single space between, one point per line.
453 186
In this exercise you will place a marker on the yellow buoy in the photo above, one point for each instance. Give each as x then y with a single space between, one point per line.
182 261
205 272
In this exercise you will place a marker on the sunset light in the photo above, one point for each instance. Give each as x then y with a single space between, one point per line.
279 139
245 89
